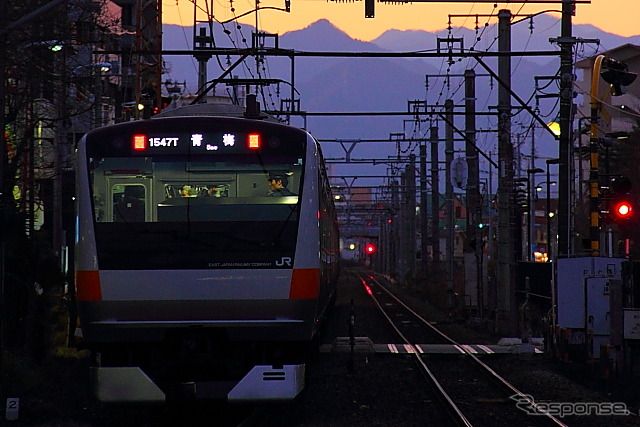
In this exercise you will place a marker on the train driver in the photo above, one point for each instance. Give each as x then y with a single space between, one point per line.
278 185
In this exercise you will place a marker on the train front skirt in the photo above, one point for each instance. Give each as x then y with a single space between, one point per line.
262 383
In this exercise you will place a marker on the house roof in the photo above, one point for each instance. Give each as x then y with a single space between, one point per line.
621 53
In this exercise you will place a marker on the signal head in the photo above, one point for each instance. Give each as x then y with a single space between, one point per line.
623 209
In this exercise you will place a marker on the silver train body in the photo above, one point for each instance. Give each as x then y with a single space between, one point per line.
192 280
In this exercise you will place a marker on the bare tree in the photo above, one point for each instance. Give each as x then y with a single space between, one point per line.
48 96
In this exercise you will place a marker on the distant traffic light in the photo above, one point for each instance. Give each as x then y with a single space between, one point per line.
370 248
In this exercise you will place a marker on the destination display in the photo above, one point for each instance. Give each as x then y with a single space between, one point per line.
195 136
227 142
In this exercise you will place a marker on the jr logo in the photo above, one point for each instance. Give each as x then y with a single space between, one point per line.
284 261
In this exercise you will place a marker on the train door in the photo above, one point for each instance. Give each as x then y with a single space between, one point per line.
129 200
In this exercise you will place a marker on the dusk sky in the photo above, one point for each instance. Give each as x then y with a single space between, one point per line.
613 16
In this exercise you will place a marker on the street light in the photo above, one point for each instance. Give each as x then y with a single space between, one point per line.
103 67
539 185
554 127
531 211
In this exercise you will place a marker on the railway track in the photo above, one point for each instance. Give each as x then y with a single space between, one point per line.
471 392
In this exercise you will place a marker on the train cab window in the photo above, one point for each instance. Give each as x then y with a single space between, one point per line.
172 190
129 203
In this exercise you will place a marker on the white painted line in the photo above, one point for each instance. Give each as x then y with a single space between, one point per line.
392 348
469 349
486 349
409 348
457 347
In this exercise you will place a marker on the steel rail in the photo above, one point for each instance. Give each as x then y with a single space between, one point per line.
454 412
493 374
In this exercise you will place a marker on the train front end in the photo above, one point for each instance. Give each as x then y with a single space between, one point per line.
193 279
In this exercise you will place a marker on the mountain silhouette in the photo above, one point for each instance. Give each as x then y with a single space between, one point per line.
343 84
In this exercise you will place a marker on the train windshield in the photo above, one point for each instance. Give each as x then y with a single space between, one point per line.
188 211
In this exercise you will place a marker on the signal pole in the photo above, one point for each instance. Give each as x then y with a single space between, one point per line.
148 65
594 188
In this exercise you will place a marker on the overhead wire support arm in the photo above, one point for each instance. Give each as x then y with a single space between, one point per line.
372 113
488 15
516 97
256 10
216 81
369 5
484 1
334 54
464 136
376 140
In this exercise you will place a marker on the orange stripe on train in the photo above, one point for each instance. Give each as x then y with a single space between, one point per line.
305 283
88 286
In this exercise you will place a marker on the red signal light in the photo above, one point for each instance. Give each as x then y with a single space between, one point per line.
623 210
370 249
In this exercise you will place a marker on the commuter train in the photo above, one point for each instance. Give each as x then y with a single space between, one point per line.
192 281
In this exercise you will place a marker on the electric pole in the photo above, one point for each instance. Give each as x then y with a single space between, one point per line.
474 216
435 205
566 43
505 310
449 208
424 215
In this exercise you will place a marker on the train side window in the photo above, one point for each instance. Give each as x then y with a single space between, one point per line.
129 203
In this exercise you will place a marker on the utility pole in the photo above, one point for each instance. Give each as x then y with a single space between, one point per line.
566 43
449 211
435 204
403 259
410 206
532 194
396 230
505 315
474 212
424 215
